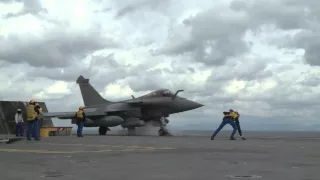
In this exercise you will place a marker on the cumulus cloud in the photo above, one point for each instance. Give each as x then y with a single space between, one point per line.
288 15
259 57
210 39
129 7
29 7
55 49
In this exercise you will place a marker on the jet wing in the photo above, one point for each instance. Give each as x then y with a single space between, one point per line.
60 115
95 111
69 115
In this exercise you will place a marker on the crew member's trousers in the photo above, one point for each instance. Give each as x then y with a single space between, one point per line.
225 121
238 126
19 129
79 130
32 129
36 128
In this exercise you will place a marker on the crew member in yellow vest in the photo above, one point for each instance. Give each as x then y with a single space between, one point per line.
37 121
80 117
228 118
32 115
238 126
39 111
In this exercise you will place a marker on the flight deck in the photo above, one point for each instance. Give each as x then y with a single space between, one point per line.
153 157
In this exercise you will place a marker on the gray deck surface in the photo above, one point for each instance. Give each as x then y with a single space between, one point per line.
161 158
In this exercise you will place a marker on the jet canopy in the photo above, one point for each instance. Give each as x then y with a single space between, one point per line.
166 93
160 93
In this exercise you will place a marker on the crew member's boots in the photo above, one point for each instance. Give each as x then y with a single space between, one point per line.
243 138
232 138
212 137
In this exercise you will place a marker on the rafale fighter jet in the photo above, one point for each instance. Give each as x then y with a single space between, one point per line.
154 107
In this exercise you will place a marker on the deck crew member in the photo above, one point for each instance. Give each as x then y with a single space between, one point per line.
80 118
37 121
32 115
19 123
238 126
39 111
228 118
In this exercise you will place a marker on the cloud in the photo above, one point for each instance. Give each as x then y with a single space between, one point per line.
258 57
59 49
129 7
29 7
210 39
288 15
309 41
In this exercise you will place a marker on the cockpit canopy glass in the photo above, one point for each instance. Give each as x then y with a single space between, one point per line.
167 93
161 93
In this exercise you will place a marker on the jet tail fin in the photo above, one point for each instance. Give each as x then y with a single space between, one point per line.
90 96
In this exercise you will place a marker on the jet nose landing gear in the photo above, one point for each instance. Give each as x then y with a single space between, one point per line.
163 131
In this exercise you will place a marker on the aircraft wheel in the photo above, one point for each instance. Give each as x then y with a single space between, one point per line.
102 130
161 132
131 131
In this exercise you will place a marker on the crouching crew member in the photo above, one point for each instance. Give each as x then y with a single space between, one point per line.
81 117
238 126
19 123
228 118
32 116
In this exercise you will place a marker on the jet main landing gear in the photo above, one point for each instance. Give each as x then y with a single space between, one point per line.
103 130
163 132
131 131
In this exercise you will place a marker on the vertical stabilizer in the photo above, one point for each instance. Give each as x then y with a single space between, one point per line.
89 95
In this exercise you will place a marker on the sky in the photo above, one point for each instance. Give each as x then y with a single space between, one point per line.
259 57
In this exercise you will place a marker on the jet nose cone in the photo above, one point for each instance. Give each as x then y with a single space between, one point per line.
196 105
192 105
183 104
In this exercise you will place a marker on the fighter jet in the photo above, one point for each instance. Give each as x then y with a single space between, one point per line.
153 108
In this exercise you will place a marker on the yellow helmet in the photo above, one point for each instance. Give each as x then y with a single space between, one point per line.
81 108
32 101
37 104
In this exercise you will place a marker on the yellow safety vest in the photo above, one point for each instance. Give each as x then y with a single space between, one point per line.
31 113
80 114
233 115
